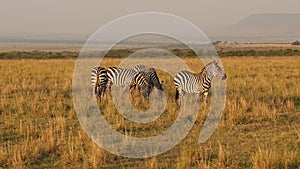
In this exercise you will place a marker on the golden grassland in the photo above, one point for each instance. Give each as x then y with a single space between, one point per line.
260 127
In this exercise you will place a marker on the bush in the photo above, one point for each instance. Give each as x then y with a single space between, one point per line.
296 43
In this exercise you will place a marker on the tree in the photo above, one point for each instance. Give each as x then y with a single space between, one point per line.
216 42
296 43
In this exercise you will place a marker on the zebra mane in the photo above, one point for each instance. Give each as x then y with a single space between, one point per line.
205 68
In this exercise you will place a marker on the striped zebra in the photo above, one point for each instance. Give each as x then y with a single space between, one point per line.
141 82
99 81
150 75
120 76
187 82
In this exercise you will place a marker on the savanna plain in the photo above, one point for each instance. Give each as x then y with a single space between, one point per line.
260 127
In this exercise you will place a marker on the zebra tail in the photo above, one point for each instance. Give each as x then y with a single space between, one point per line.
96 85
176 95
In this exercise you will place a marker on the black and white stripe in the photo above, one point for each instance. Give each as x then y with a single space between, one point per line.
120 76
187 82
141 82
145 80
139 68
99 81
150 75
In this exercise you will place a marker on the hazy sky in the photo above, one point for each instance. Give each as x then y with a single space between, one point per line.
85 17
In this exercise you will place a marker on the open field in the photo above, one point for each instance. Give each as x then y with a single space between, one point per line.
260 127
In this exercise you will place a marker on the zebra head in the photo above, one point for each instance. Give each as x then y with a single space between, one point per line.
217 70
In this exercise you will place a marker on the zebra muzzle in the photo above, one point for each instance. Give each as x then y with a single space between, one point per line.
224 76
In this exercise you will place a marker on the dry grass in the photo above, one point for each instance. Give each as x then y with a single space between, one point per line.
269 158
259 129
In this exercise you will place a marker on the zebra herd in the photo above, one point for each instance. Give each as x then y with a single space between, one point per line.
142 77
145 78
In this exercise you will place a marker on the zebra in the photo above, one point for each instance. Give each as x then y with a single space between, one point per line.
120 76
141 76
99 80
140 80
150 75
187 82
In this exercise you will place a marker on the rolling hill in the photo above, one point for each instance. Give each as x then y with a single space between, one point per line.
262 28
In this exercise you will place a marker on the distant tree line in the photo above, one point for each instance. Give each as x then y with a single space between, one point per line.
122 53
280 52
37 55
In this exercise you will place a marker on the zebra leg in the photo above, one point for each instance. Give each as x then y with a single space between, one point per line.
108 86
150 89
103 89
97 92
198 98
131 89
125 88
205 98
145 93
139 89
178 96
